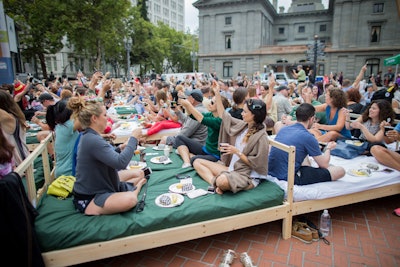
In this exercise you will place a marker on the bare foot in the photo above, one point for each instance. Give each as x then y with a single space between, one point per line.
219 191
140 183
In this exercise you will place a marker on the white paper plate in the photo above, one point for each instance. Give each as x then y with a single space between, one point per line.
371 166
140 166
176 200
158 149
156 160
354 142
177 188
359 172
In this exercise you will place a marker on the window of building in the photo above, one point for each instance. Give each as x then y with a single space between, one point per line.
228 67
302 29
166 12
173 5
157 9
322 28
228 20
166 2
375 34
378 8
372 67
228 41
281 30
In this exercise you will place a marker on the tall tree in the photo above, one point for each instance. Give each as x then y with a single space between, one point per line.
97 27
42 27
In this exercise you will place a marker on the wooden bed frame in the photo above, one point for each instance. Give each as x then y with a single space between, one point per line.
120 246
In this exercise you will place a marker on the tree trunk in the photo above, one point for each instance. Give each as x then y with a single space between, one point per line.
43 65
98 55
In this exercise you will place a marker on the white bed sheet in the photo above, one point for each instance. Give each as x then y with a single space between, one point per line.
126 128
346 185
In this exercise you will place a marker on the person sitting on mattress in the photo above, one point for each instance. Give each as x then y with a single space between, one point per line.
306 145
244 148
334 128
386 156
372 123
189 149
103 185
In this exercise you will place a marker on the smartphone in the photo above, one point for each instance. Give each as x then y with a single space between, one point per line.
387 170
173 104
147 171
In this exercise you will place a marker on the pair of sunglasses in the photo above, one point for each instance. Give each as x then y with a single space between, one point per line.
252 105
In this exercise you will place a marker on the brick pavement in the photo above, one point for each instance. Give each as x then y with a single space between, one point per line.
363 234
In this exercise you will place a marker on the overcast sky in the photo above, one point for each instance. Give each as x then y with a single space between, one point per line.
192 14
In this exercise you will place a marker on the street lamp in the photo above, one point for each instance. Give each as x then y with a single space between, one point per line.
265 68
315 54
193 56
128 46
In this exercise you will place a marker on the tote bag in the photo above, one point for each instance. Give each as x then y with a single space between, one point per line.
349 149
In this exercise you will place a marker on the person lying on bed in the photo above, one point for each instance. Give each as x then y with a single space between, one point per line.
100 187
187 147
306 145
386 156
244 148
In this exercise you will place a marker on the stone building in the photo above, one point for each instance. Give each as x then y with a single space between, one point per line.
249 36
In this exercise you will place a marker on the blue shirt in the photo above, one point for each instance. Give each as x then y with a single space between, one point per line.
294 135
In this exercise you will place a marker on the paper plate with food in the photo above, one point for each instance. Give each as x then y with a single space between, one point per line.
169 200
354 142
181 188
161 160
136 165
371 166
359 172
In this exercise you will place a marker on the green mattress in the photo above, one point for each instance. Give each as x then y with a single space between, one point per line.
59 226
125 110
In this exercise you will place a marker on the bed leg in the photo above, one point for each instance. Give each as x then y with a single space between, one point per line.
287 227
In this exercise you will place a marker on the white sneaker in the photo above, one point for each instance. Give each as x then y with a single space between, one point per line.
186 165
176 151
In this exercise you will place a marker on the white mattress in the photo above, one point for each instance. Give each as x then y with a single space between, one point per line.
126 127
346 185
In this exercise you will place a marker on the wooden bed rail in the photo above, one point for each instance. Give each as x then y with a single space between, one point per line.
133 243
26 169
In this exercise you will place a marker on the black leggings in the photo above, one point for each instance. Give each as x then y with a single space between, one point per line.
195 148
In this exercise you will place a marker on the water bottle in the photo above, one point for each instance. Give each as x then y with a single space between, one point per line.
325 223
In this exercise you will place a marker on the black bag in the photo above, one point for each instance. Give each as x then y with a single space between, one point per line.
386 94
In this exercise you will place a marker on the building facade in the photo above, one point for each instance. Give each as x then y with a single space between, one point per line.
253 35
170 12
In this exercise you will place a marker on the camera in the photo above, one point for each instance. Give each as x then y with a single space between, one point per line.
108 94
147 171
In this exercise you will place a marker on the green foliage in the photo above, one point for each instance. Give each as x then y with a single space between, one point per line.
95 30
41 24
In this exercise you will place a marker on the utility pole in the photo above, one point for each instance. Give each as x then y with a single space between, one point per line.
314 51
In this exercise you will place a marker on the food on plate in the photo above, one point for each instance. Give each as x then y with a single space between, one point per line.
372 166
360 172
167 200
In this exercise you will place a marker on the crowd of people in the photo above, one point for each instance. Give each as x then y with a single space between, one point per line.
225 126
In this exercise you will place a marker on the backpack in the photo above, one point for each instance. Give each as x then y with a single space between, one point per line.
386 94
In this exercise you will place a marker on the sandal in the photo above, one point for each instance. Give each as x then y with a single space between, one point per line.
397 212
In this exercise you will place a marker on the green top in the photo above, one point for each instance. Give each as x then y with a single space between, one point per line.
301 76
213 124
321 116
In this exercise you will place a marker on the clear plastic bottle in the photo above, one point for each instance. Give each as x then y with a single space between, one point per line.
325 223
